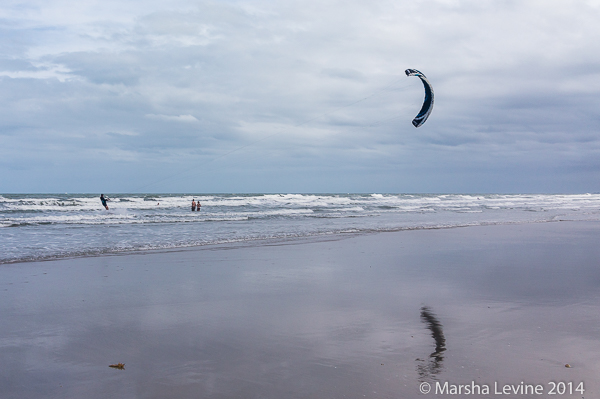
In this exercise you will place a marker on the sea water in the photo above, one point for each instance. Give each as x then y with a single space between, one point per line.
51 226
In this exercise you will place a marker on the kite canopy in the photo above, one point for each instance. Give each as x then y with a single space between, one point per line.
427 103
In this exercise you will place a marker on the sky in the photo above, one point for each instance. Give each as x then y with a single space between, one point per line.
296 96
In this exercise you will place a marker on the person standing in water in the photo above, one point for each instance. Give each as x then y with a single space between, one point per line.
198 206
193 205
104 199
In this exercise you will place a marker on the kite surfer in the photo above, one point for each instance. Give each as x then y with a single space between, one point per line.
104 199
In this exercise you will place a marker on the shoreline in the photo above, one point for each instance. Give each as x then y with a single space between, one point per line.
355 315
267 241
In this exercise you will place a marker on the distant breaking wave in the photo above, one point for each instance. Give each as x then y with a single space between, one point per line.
50 226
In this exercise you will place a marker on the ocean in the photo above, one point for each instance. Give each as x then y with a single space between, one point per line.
51 226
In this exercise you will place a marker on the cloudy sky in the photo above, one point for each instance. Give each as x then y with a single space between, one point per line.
299 96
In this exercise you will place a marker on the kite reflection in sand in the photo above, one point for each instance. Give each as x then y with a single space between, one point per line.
433 366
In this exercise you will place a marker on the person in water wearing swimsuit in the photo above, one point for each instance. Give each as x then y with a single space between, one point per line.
198 206
104 199
193 205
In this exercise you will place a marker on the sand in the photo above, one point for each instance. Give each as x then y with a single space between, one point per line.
348 316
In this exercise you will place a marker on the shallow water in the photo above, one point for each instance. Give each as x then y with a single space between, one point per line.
35 227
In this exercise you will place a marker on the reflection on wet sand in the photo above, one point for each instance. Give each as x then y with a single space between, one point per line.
433 366
310 320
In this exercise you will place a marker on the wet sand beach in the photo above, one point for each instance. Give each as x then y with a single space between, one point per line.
347 316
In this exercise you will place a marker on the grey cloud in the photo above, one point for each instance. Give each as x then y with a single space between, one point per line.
308 86
344 73
104 68
16 65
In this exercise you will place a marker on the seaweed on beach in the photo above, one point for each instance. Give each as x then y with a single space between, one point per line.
120 366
